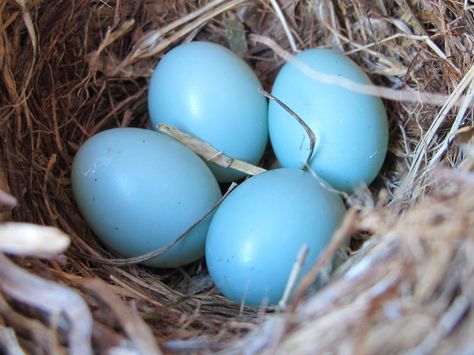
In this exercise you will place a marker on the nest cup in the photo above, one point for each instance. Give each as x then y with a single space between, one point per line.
73 68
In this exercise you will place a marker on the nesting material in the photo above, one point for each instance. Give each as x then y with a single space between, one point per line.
73 68
410 289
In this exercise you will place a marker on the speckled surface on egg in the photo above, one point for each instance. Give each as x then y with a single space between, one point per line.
139 190
351 128
206 90
258 231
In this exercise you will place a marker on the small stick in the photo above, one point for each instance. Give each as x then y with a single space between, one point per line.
158 252
208 152
302 255
309 131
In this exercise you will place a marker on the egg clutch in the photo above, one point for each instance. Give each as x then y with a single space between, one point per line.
139 189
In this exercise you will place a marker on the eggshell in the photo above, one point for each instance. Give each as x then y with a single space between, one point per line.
206 90
351 128
257 232
139 190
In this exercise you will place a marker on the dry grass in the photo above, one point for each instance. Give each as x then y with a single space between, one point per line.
73 68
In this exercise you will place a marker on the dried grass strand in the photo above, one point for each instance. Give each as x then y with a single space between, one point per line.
412 96
51 298
155 44
411 277
309 132
349 225
134 325
284 24
155 253
427 139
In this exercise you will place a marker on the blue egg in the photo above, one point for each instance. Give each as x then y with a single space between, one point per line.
139 190
206 90
257 232
351 128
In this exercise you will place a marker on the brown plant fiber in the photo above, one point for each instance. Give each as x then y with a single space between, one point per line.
72 68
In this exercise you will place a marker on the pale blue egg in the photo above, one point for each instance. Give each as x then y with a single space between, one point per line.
256 234
206 90
139 190
351 128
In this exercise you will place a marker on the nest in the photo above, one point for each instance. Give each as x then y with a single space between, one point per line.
73 68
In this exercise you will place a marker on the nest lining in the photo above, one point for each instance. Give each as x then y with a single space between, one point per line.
73 68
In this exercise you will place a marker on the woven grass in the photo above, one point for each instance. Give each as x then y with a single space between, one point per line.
73 68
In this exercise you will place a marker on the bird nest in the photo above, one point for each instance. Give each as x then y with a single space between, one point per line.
73 68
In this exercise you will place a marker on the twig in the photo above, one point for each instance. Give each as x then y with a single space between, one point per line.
208 152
